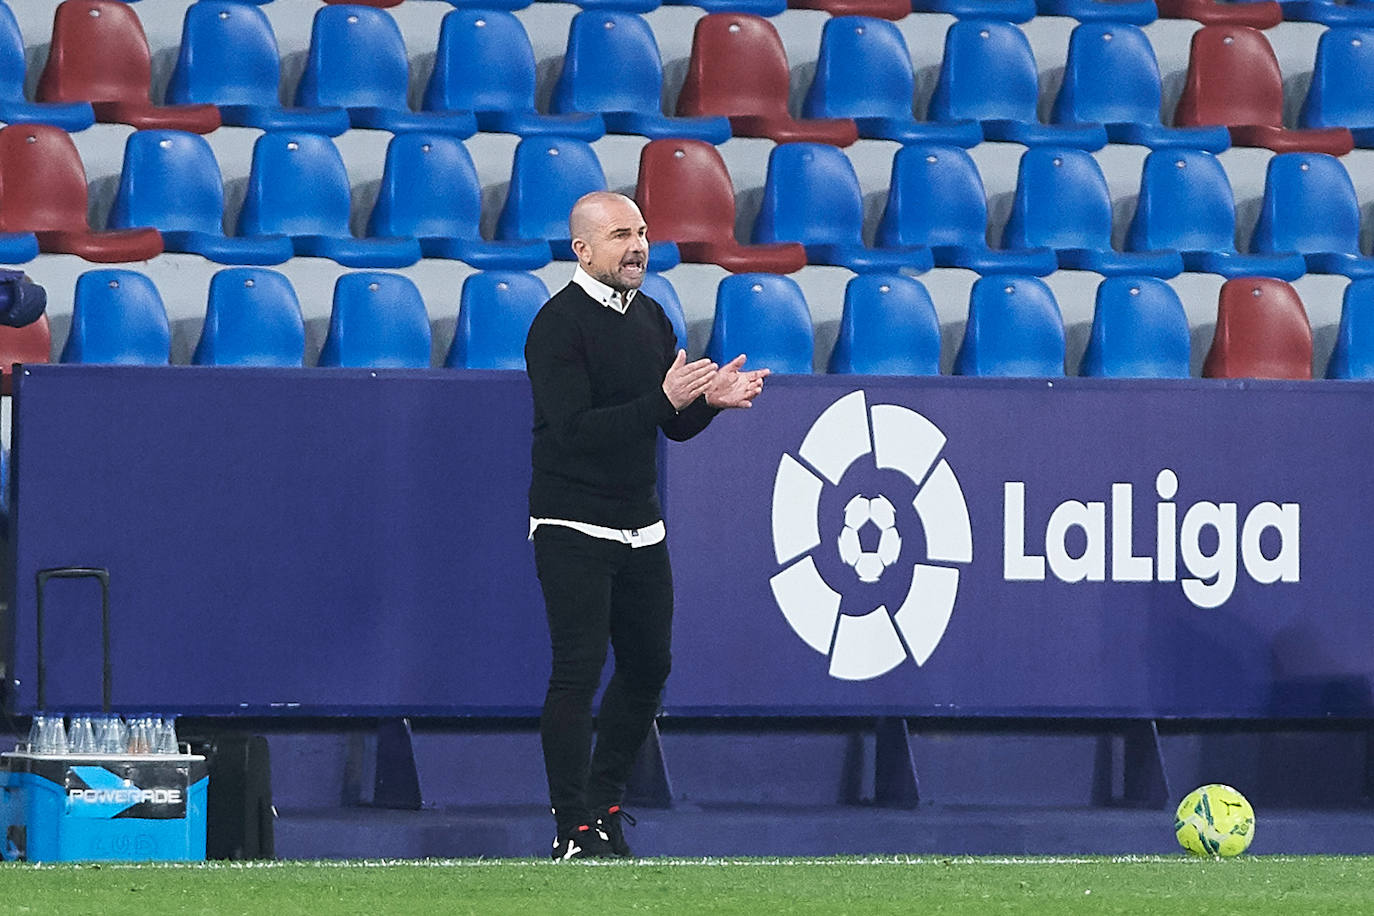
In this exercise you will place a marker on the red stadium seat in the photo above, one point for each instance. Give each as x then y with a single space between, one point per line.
43 191
99 54
1234 79
738 68
1257 15
30 344
1262 332
895 10
687 197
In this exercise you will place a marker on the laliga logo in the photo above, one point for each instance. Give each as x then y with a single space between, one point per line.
872 644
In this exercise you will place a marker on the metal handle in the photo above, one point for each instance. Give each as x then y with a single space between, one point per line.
76 572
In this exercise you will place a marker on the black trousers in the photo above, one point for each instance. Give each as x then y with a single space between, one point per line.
599 593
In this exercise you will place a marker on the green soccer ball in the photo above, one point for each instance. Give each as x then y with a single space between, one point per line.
1215 820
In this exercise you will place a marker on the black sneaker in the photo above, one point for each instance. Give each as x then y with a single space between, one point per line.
609 825
582 842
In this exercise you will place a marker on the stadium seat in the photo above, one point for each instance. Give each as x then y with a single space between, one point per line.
1329 12
357 61
485 65
657 288
1062 202
378 3
171 181
811 195
229 59
1262 332
252 318
43 192
1014 329
298 187
512 5
988 74
1353 356
118 318
888 327
1139 330
548 175
766 318
1006 10
1341 93
936 199
686 196
1133 12
14 107
1234 80
1257 14
738 68
99 54
753 7
864 72
430 192
31 343
1112 78
1186 205
878 9
1309 207
378 321
495 311
612 68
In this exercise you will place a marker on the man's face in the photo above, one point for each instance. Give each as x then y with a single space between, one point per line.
615 247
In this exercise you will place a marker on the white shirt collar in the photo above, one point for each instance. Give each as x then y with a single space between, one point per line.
601 292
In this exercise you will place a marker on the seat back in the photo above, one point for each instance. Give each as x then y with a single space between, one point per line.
42 180
378 321
685 192
1353 356
357 59
1139 331
612 63
1262 332
935 197
1061 201
737 67
888 327
548 175
171 181
429 188
252 318
484 63
118 317
765 317
1233 79
988 72
657 287
12 64
228 56
863 69
99 53
1014 329
495 312
1111 77
297 185
30 343
811 195
1341 93
1309 206
1185 204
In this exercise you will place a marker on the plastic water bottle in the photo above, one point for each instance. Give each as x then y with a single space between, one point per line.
81 737
166 732
47 736
140 737
37 733
109 736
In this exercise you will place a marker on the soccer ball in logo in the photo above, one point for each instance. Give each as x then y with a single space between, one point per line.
879 514
1215 820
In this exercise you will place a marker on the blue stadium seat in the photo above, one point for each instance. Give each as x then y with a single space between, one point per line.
864 72
1006 10
1134 12
298 187
547 177
1341 93
495 311
811 195
430 192
989 75
1062 202
765 317
14 107
1139 331
378 321
1186 205
754 7
229 58
1309 207
1353 356
118 318
357 60
888 327
612 68
1329 12
171 181
1112 78
1014 329
252 318
657 288
485 65
936 198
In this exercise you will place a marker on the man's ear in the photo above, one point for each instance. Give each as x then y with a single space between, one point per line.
579 247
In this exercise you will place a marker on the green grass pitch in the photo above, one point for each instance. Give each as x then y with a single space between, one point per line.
861 886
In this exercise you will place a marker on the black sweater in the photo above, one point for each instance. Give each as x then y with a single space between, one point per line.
597 378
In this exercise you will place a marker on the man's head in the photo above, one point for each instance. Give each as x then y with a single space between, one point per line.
610 239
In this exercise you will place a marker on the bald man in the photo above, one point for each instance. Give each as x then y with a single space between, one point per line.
607 376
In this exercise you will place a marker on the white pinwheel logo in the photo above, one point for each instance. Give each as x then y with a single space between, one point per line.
867 645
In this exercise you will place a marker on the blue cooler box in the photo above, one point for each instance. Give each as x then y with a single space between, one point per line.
94 807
